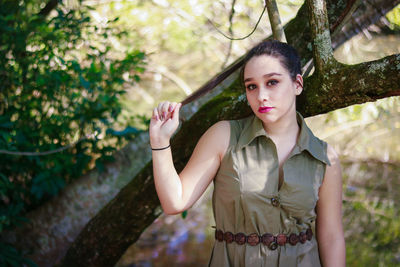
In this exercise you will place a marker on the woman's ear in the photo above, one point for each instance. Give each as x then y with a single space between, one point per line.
299 84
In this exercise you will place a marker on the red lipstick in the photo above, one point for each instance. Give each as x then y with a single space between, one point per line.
264 109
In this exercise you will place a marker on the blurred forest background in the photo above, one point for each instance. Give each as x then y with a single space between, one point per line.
79 82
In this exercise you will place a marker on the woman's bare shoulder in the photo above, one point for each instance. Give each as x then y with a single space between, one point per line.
217 136
333 171
219 130
332 156
221 127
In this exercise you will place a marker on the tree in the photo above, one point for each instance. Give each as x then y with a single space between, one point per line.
121 222
101 236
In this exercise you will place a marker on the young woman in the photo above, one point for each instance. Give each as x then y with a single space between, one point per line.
277 188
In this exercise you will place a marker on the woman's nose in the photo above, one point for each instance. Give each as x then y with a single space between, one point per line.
262 94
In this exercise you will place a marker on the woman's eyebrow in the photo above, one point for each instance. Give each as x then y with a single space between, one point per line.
271 74
265 76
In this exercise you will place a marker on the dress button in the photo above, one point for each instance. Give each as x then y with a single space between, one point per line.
273 246
274 202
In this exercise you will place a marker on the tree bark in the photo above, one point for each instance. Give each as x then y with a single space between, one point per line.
120 223
320 34
329 83
275 21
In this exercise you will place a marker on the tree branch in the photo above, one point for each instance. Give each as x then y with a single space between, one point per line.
299 38
351 6
330 82
368 13
44 153
320 34
104 240
173 78
335 29
275 21
48 8
351 84
232 13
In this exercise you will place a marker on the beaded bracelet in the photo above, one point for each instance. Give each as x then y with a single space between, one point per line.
161 148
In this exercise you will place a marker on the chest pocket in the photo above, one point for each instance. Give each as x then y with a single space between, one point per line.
303 176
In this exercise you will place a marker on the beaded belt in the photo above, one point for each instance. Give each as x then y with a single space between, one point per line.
268 240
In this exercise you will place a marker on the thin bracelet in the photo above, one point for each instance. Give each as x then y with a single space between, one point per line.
161 148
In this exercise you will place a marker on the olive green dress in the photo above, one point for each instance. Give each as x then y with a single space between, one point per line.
246 182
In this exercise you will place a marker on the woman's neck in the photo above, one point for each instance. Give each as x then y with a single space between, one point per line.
285 127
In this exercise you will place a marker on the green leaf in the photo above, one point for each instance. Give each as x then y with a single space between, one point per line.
7 125
61 78
84 82
46 183
100 165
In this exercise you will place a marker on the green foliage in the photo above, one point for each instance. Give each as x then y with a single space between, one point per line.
394 18
56 88
371 214
9 256
366 137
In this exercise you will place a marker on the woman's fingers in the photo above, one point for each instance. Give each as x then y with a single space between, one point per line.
166 110
163 109
171 109
155 114
172 106
165 120
159 110
175 114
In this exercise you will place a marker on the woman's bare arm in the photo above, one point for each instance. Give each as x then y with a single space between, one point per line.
179 192
330 235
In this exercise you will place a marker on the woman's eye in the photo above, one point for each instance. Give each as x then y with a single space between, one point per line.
272 82
251 87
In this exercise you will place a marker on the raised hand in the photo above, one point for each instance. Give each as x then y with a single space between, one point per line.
163 123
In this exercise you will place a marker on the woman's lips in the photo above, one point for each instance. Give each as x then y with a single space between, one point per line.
264 109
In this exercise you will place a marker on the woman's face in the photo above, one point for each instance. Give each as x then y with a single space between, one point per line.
270 90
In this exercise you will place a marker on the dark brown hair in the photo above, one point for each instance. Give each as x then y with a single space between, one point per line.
286 54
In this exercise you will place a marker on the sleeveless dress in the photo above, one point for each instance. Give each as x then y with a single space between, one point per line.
247 181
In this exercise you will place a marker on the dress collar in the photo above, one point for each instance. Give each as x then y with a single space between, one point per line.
253 128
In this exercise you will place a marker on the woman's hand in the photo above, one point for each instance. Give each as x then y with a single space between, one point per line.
163 123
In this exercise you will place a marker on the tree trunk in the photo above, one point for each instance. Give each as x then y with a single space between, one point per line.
332 86
122 220
120 223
